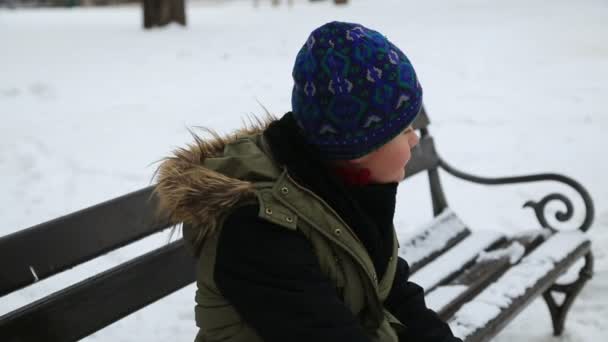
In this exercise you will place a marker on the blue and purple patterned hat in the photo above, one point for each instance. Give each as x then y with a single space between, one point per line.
354 90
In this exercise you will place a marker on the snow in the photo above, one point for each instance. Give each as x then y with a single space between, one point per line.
88 103
443 295
455 259
34 274
514 252
429 238
513 284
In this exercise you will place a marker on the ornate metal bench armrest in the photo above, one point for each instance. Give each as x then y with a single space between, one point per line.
539 207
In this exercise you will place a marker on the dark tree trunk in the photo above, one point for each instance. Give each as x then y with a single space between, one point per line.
163 12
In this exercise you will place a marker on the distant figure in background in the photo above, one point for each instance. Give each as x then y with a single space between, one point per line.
292 220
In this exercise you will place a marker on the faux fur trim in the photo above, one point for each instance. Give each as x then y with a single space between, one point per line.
190 193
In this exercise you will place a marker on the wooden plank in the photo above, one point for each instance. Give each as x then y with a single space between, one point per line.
432 239
57 245
424 157
447 298
95 303
483 317
449 264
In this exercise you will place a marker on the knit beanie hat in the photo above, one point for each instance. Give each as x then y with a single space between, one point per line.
354 90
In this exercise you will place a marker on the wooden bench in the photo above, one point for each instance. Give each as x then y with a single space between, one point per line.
477 280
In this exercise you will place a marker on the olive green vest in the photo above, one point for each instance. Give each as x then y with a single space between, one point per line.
282 201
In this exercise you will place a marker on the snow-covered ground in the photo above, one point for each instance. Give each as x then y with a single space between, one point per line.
88 101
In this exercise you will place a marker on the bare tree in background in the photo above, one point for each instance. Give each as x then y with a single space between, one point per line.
163 12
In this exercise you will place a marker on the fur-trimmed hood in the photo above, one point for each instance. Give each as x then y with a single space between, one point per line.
197 183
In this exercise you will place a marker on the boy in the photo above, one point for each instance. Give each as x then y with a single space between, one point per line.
291 221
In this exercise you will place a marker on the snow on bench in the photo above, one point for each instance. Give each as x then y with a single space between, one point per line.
432 239
517 284
455 259
486 265
444 295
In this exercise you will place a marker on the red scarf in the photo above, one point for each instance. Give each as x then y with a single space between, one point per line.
352 176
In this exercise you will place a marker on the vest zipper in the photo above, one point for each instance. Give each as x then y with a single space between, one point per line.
371 275
340 269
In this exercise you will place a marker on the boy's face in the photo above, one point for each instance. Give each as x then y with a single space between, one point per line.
387 164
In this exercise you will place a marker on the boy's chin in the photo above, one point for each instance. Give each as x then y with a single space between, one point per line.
401 176
398 177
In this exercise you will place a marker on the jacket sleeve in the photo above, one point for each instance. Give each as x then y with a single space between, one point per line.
272 278
406 302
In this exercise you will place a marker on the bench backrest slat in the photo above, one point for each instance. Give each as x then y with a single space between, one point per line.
52 247
97 302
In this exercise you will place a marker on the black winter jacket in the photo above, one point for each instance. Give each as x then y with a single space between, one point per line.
260 285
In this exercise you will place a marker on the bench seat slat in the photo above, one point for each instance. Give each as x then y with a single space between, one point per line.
448 297
88 233
432 239
92 304
496 305
454 260
441 297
